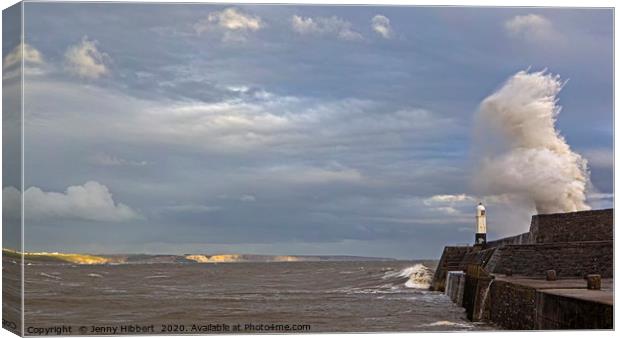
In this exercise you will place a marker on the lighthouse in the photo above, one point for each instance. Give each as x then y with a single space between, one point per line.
481 225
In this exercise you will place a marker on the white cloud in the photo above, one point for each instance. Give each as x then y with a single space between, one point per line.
111 160
452 205
600 196
303 174
247 198
91 201
600 158
600 200
11 202
30 55
232 24
85 60
333 26
381 25
304 25
194 208
532 27
449 199
273 123
505 213
33 61
447 210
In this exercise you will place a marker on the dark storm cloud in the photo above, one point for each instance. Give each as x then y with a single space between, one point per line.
243 129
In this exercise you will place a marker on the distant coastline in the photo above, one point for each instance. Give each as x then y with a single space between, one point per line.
89 259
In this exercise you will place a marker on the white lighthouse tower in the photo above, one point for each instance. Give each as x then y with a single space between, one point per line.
481 225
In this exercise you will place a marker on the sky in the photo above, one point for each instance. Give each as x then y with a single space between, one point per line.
271 129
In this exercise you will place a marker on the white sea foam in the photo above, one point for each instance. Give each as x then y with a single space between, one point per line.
49 276
96 275
447 323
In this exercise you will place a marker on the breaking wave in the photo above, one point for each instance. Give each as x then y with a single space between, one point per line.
418 276
521 151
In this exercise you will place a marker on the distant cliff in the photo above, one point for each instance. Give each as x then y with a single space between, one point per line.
74 258
57 257
234 258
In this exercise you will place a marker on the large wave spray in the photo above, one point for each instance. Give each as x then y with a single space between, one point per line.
418 276
522 153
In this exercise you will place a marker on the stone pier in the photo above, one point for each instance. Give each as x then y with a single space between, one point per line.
507 283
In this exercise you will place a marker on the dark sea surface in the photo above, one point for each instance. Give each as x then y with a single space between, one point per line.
355 296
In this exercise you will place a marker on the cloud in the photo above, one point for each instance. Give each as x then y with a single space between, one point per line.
505 219
601 196
452 205
465 199
532 27
600 158
400 213
303 174
601 200
448 199
193 208
91 202
284 147
11 202
333 26
33 61
85 60
30 55
272 122
231 24
247 198
381 25
111 160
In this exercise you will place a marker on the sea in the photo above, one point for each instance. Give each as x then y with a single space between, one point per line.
273 297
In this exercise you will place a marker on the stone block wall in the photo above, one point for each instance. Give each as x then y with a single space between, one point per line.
476 257
593 225
573 259
513 306
523 238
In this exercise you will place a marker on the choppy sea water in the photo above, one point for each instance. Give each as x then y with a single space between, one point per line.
213 298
